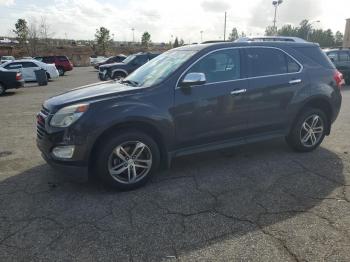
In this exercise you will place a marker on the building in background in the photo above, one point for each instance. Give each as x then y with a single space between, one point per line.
346 41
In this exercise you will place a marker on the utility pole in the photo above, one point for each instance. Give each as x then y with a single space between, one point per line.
201 35
133 34
225 28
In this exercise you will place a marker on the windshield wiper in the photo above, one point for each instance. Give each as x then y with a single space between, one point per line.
130 82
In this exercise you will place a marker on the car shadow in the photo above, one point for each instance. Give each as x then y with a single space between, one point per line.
8 93
203 200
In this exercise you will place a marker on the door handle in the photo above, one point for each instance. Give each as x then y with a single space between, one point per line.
237 92
295 81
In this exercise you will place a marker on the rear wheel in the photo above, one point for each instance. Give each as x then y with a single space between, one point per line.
2 89
308 130
127 161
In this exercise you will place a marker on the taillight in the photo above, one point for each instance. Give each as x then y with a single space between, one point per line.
339 79
18 76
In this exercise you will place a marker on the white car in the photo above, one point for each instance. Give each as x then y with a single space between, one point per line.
28 67
6 58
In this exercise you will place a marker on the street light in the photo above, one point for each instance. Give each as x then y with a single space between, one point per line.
276 4
133 34
201 35
310 28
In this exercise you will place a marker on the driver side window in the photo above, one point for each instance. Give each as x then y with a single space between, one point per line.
223 65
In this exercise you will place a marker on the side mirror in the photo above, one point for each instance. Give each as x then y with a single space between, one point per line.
193 79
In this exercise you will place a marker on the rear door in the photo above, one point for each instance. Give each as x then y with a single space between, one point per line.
274 79
29 70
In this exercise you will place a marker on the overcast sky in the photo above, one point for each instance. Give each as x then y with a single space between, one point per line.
78 19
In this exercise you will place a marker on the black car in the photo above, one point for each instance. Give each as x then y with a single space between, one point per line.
111 60
123 69
10 80
341 59
192 99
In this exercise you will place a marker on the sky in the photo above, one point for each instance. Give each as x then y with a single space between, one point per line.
165 20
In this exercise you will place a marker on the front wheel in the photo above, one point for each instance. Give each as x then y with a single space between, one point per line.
308 130
127 161
118 75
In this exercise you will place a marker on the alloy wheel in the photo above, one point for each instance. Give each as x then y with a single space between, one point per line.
311 130
130 162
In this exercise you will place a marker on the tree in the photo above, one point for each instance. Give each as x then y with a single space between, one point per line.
304 29
176 42
339 38
145 39
288 30
45 31
103 40
270 31
22 32
233 35
33 38
182 42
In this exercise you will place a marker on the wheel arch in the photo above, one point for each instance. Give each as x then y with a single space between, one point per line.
321 103
138 125
120 71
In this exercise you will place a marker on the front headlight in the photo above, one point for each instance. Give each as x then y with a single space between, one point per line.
68 115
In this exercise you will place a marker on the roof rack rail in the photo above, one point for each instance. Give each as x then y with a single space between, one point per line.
271 39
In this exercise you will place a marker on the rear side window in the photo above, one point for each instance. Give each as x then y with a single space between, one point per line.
316 55
49 59
62 58
344 56
270 61
333 56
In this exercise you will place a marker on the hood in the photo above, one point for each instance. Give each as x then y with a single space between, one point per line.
119 65
86 93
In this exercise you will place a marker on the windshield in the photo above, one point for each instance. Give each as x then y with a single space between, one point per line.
158 68
129 59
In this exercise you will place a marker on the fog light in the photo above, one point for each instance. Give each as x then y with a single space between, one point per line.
63 151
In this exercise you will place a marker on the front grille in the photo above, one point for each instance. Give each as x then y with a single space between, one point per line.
40 123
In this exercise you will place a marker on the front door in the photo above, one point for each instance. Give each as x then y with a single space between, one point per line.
215 110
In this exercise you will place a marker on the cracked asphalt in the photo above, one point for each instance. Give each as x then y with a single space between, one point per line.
261 202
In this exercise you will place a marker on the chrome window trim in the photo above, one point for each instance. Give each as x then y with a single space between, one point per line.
240 79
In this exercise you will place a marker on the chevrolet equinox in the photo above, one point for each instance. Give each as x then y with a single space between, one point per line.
188 100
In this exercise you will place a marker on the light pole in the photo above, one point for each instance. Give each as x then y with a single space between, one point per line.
310 28
201 35
225 27
133 34
276 4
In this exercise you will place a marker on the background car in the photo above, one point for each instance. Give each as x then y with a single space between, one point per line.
28 67
62 63
9 80
96 59
341 59
123 69
6 58
110 60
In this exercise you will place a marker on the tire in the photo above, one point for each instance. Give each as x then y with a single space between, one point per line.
48 76
60 71
298 134
116 152
118 75
2 89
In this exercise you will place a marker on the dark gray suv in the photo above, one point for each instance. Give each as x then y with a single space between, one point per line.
188 100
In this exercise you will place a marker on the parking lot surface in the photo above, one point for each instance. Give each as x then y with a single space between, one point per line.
260 202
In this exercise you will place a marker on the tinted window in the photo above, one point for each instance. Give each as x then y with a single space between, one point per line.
140 60
62 58
344 56
13 65
28 64
266 61
292 65
219 66
48 59
333 56
316 55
